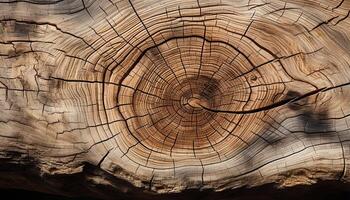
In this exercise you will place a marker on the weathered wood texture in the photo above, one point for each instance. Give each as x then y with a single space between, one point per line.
170 95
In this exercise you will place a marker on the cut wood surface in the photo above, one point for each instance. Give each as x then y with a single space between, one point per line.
171 95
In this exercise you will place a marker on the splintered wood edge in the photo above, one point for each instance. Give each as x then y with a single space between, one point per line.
174 95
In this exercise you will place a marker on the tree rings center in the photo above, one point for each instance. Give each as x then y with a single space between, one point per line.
198 102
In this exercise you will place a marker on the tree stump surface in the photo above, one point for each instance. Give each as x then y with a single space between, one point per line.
166 96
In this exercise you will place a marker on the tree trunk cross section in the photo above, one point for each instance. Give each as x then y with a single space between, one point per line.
165 96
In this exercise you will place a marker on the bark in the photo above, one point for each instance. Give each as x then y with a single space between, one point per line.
166 96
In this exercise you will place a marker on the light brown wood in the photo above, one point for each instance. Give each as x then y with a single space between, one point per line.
170 95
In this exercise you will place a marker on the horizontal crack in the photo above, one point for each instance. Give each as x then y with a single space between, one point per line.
271 106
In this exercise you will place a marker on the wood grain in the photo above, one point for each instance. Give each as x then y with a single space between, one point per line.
173 95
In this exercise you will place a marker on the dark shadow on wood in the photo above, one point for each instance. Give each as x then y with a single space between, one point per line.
327 190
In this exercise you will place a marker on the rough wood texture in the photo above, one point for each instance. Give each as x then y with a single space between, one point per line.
169 95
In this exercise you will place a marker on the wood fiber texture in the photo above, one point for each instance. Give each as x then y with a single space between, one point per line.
170 95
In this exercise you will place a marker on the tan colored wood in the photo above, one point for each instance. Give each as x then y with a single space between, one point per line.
170 95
